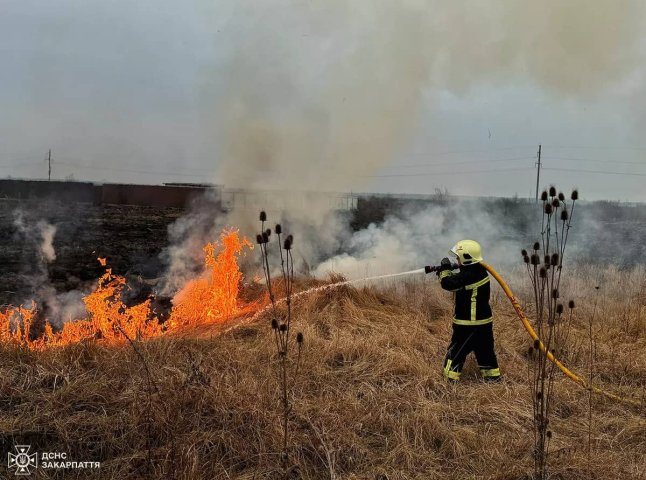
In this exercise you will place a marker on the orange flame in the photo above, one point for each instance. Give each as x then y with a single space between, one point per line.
23 327
213 298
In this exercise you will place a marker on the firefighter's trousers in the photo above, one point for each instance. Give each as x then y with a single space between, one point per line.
467 339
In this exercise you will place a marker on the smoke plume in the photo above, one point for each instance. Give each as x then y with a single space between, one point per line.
37 237
320 96
421 235
47 233
40 234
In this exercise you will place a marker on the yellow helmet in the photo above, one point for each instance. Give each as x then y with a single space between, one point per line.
467 251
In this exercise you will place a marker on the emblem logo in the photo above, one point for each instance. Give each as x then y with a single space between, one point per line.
22 461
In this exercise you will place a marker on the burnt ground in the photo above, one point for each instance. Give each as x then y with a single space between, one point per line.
130 237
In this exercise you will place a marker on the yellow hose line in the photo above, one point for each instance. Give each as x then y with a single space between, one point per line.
552 358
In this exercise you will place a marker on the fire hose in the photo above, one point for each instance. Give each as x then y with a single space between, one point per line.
514 302
532 333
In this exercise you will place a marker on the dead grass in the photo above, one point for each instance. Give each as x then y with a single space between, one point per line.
370 404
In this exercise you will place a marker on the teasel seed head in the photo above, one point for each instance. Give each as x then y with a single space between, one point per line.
544 196
278 229
299 337
556 203
539 395
526 259
537 246
555 293
263 216
548 208
542 272
559 309
555 259
571 304
268 232
547 259
288 243
523 252
274 324
265 237
575 195
259 239
552 191
283 327
537 344
549 434
536 259
564 215
561 196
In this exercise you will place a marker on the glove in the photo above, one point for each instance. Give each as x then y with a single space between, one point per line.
427 269
445 264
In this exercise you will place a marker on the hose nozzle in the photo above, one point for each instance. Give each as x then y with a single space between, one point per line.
437 268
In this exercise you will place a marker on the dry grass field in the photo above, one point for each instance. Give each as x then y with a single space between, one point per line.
369 401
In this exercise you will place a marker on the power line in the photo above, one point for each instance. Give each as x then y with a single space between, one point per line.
473 150
589 147
593 161
605 172
461 162
461 172
147 172
28 164
20 165
74 161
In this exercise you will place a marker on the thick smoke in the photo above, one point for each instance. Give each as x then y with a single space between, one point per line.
316 236
421 235
316 96
187 236
317 93
319 96
415 234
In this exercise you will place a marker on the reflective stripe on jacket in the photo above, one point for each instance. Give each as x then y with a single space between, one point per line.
472 289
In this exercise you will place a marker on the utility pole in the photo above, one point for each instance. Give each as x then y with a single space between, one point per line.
49 161
538 171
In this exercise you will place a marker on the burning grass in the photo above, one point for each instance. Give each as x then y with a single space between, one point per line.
370 404
212 298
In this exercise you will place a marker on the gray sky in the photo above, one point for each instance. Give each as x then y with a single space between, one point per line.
365 95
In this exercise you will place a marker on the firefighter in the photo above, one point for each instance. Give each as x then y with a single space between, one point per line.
472 319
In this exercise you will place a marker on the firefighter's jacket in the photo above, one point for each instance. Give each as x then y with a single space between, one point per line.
472 290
